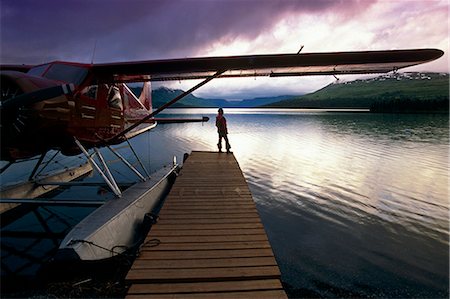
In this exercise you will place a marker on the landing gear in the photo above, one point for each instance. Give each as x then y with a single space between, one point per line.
104 170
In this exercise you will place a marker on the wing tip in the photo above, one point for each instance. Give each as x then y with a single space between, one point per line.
439 53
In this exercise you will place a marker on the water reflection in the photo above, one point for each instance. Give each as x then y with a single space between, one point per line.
31 235
355 204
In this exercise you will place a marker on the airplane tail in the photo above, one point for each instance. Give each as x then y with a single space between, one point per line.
134 107
146 96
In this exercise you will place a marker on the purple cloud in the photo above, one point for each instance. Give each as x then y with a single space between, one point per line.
34 32
39 31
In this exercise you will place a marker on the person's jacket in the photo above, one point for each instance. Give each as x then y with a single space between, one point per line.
221 124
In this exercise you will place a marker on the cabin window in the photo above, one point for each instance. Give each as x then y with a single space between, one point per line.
90 91
114 98
38 70
66 73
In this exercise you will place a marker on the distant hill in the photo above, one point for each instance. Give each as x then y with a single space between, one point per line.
398 92
261 101
163 95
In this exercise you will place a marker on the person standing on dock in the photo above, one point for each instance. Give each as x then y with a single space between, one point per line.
221 124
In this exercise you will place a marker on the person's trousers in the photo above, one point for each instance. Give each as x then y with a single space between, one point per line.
227 144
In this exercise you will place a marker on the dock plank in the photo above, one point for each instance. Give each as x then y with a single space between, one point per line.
206 226
202 274
195 205
211 200
206 287
266 294
209 241
206 254
172 215
194 208
204 263
240 218
209 232
208 246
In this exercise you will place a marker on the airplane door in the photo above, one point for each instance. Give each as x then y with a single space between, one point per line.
84 122
116 110
109 119
99 113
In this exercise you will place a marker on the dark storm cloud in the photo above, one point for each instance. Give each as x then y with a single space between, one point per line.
38 31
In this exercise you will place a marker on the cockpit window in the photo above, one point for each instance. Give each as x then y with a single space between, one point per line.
90 91
38 70
66 73
114 97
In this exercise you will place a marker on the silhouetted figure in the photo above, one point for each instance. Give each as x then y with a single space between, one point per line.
221 124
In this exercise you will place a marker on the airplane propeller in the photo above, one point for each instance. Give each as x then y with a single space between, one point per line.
15 107
36 96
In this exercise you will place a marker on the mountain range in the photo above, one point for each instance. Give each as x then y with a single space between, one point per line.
162 95
394 92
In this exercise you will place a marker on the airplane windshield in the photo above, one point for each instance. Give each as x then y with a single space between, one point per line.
38 70
66 73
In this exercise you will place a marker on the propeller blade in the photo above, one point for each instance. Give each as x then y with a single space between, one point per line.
37 96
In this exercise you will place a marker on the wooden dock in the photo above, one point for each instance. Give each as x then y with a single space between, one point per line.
209 241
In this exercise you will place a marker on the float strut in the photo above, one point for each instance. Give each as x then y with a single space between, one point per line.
108 178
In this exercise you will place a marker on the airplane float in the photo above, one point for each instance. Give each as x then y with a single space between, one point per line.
75 108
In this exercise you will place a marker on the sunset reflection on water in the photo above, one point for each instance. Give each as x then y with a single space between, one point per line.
353 203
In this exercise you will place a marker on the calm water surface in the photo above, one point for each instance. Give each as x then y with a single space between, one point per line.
354 204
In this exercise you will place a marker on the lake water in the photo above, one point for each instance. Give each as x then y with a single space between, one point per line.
354 204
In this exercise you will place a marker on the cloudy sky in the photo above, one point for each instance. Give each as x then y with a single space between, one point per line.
39 31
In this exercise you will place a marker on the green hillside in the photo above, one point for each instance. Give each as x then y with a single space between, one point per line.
399 92
162 95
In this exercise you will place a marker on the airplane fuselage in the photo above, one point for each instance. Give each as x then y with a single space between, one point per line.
92 112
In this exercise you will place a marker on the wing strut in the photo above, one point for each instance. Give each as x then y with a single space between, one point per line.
168 104
106 175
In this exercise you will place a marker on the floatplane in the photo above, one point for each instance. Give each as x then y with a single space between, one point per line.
77 109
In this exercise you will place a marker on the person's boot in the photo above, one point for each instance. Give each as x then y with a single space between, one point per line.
219 146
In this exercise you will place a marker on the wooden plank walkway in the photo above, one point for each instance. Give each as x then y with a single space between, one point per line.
209 241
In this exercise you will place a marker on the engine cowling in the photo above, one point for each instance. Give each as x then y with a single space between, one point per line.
23 99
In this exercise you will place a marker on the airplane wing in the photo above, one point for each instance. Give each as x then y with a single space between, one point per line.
16 67
275 65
